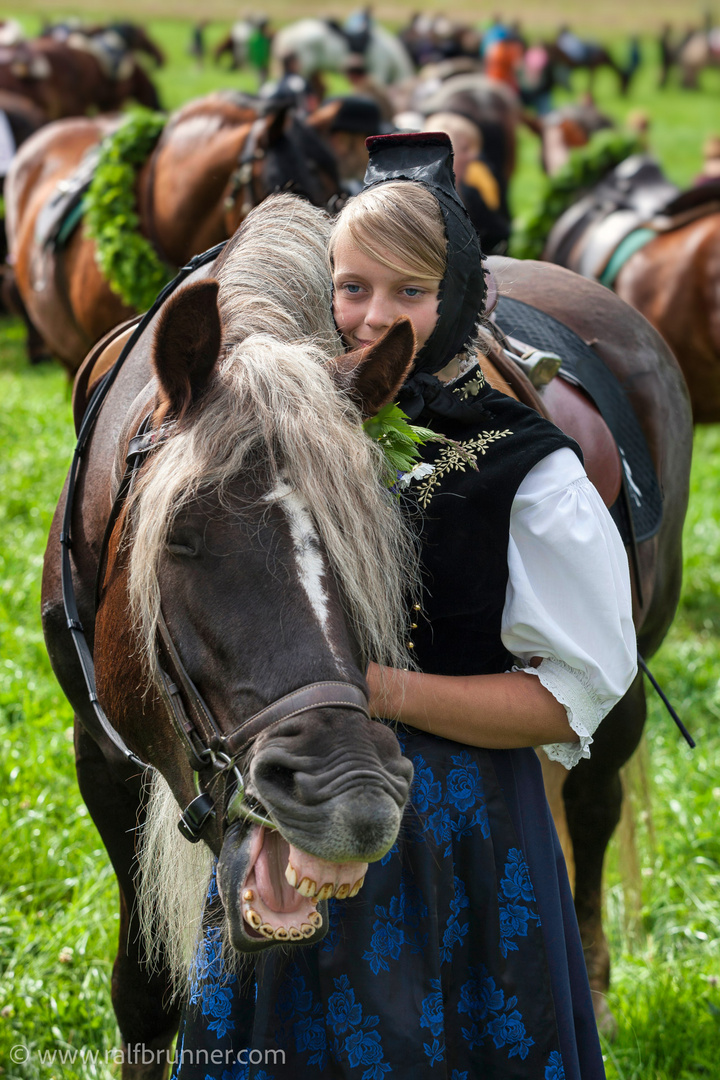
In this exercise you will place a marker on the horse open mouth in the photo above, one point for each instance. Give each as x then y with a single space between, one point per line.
284 884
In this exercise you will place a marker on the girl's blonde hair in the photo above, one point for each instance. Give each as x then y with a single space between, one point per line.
399 224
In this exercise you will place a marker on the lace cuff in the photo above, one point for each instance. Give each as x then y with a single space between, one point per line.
574 690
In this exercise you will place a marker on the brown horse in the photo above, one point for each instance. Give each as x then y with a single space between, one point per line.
276 576
214 161
67 81
674 279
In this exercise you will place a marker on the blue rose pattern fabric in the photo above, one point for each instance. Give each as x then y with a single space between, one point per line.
435 971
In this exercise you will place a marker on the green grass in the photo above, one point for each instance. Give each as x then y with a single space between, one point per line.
58 921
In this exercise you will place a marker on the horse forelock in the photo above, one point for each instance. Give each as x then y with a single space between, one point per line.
273 401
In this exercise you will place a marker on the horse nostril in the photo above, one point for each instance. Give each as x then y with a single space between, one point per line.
274 775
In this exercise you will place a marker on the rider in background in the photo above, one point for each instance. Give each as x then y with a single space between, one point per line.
476 185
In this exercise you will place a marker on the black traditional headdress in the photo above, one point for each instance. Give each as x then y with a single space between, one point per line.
426 158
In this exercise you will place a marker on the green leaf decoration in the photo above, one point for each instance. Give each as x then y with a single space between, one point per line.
398 438
585 168
401 441
127 260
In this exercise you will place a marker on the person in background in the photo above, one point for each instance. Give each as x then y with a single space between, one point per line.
364 85
710 173
196 48
258 47
476 185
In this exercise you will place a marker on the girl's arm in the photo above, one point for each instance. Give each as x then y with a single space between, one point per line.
495 711
567 619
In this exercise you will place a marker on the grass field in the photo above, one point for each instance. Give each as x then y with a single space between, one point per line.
57 892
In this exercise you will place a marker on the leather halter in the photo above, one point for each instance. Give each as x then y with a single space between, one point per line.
207 747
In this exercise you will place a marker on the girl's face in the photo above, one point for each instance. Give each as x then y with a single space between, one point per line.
369 297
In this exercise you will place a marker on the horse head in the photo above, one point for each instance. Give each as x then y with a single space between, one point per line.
280 153
256 569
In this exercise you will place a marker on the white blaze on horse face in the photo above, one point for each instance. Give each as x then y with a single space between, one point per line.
308 556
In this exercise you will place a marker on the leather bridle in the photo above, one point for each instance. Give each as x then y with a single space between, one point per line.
242 180
207 747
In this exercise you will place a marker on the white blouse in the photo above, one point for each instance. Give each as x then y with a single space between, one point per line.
568 597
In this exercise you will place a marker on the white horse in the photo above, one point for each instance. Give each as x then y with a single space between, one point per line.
320 46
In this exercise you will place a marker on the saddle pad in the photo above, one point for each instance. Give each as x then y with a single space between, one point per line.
583 367
66 197
627 247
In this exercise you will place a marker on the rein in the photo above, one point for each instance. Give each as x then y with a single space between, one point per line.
206 746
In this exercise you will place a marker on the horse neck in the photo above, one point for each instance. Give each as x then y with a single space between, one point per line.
190 216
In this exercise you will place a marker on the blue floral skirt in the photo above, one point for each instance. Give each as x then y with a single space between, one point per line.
459 959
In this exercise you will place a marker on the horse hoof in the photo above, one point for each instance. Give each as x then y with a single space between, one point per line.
606 1023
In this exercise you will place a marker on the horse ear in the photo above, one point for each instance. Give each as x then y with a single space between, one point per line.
277 118
187 345
372 376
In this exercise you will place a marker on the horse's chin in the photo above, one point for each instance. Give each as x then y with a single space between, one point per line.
273 893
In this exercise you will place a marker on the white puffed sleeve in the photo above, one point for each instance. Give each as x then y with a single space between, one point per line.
568 597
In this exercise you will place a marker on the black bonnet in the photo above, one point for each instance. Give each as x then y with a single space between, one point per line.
426 158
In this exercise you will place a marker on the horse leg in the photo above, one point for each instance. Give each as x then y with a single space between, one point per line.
37 350
593 800
147 1023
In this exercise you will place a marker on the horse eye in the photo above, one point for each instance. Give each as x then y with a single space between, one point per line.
184 545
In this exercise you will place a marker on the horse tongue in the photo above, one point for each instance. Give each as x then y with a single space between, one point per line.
275 892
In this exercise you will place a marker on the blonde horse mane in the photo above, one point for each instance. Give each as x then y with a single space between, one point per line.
272 397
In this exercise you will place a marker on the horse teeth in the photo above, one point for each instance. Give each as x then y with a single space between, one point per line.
266 930
291 876
357 887
281 934
307 887
253 918
249 895
315 919
325 892
295 934
342 892
306 930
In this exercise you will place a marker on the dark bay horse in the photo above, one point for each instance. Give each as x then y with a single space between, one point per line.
215 160
192 565
257 565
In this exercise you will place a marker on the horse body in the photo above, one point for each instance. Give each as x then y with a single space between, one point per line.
675 282
320 46
673 279
188 200
65 81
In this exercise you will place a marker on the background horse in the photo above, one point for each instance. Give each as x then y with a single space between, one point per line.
261 537
215 160
323 46
652 382
66 81
673 278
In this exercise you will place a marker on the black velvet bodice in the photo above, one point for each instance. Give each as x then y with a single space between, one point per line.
466 522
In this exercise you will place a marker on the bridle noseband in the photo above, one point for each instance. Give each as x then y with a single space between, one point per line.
207 747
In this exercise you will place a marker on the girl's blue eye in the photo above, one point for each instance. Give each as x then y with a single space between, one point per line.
352 289
412 291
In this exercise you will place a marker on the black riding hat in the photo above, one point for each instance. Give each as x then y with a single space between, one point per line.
426 158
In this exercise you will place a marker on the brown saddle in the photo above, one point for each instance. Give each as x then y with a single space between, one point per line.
96 364
570 409
634 195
